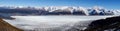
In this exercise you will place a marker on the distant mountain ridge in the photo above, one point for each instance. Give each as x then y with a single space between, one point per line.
53 10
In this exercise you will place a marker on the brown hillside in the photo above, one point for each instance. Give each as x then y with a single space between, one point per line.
4 26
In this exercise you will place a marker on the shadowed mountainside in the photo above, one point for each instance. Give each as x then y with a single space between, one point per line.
105 24
6 16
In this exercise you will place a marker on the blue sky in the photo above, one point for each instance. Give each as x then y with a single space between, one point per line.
110 4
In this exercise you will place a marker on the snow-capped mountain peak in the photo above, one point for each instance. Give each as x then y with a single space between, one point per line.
72 10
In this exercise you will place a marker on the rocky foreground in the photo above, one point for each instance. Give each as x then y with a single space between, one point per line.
105 24
4 26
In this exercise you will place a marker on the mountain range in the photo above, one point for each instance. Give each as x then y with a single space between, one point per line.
56 10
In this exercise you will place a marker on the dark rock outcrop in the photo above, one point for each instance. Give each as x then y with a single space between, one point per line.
104 24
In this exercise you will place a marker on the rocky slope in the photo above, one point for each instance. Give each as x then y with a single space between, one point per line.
105 24
4 26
